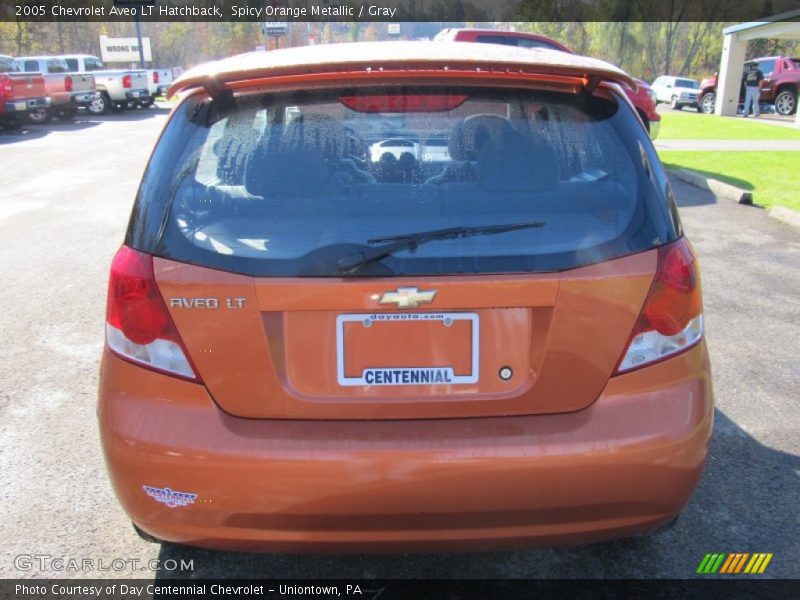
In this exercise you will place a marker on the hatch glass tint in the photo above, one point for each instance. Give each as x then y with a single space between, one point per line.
289 184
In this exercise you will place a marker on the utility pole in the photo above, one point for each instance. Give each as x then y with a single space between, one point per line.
137 6
139 39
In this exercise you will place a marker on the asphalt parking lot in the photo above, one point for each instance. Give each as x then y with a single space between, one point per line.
65 195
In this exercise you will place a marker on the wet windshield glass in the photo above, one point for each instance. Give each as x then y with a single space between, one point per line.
288 184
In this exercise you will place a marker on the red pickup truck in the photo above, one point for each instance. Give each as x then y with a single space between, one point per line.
19 94
779 88
643 99
69 91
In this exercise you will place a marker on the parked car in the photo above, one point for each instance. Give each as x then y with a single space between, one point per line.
19 93
516 39
396 147
117 88
677 91
642 98
779 88
301 356
69 91
158 83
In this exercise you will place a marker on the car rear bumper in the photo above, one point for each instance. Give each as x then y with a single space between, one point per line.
19 106
137 94
625 465
83 98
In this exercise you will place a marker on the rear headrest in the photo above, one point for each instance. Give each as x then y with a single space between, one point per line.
521 164
311 133
293 161
469 136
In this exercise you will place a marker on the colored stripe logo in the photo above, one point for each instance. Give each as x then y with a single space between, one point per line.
731 563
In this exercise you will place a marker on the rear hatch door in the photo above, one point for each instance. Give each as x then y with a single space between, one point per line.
276 194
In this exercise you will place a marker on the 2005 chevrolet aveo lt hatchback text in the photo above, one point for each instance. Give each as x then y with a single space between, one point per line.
404 296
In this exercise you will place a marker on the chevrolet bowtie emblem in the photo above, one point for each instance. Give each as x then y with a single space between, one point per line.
407 297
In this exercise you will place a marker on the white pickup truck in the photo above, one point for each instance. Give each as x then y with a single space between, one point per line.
69 91
117 88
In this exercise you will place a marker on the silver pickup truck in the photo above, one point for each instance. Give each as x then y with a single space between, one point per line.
117 88
159 81
69 91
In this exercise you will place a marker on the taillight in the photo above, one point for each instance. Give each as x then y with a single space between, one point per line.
6 89
139 327
671 319
155 76
68 83
400 103
126 81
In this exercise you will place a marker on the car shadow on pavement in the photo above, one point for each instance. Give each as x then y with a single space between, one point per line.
137 114
82 121
34 132
746 502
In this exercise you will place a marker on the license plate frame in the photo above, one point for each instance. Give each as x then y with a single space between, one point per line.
448 377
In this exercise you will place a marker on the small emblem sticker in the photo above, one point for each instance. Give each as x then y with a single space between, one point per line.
407 297
168 497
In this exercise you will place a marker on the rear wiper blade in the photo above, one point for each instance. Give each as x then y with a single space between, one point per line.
353 262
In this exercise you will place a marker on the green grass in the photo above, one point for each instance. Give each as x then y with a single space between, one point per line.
773 177
685 125
173 100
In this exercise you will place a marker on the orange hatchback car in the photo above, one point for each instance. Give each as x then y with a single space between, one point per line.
404 296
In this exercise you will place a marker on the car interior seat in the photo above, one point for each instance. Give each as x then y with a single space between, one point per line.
466 140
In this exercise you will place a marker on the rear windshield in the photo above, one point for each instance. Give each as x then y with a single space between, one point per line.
288 184
687 83
57 65
93 64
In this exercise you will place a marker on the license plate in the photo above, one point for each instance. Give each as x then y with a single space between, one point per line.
401 349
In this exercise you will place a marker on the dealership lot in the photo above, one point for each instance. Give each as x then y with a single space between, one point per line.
64 201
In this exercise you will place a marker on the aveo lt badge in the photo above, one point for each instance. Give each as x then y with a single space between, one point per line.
407 297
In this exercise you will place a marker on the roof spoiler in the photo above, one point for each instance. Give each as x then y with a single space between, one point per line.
213 77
